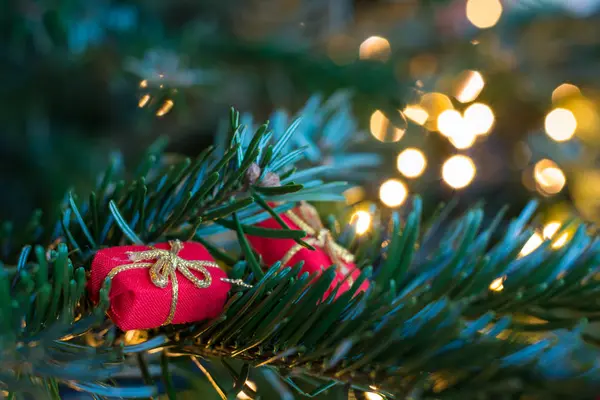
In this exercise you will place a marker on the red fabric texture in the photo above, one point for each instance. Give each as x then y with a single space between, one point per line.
273 250
136 303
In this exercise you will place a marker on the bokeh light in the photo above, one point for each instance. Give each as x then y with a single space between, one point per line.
375 48
416 114
479 118
243 396
362 221
435 104
165 108
497 284
449 122
458 171
549 178
144 100
484 13
560 124
533 243
383 130
393 193
565 90
470 86
373 396
411 162
550 230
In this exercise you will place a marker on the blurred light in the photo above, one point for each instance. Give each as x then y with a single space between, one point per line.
165 108
565 90
560 124
463 139
533 243
497 284
411 162
135 336
393 193
362 221
354 194
549 177
243 396
449 122
375 48
144 84
484 13
586 115
434 104
383 130
144 100
458 171
470 87
550 230
416 114
373 396
479 118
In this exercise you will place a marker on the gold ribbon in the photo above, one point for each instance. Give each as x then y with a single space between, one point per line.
309 222
164 267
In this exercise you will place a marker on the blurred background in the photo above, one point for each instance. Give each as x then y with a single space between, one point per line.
494 100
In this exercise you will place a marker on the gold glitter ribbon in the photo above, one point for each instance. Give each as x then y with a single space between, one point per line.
164 267
309 222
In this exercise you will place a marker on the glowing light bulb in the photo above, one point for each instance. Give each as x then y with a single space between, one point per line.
165 108
393 193
416 114
243 396
143 101
458 171
449 122
497 284
375 48
373 396
560 124
563 91
411 163
471 86
549 177
479 118
550 230
533 243
362 221
484 13
383 130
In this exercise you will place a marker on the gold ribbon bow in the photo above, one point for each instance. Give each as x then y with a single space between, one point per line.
164 267
309 222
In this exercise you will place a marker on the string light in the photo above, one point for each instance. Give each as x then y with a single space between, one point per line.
243 396
533 243
393 193
560 124
375 48
383 130
449 122
471 86
373 396
479 118
565 90
165 108
416 114
458 171
411 163
550 230
497 284
362 222
435 104
484 13
144 84
549 177
144 100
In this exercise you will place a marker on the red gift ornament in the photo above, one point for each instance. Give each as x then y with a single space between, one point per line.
169 283
327 252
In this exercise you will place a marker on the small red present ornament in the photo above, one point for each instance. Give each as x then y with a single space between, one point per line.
169 283
327 252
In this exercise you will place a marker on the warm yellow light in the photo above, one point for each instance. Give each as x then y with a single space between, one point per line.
144 84
450 122
549 177
484 13
393 193
411 162
463 139
550 230
375 48
560 124
373 396
458 171
144 100
243 396
383 130
354 194
416 114
563 91
533 243
434 104
497 284
165 108
470 87
479 118
362 221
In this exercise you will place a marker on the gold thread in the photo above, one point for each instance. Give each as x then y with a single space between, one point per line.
165 267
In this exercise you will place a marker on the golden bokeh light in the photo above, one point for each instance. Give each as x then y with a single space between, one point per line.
362 221
463 139
550 179
550 230
354 194
479 118
411 162
533 243
565 90
434 104
383 130
470 86
144 100
560 124
450 122
497 284
243 396
375 48
165 108
393 193
144 84
484 13
416 114
458 171
373 396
